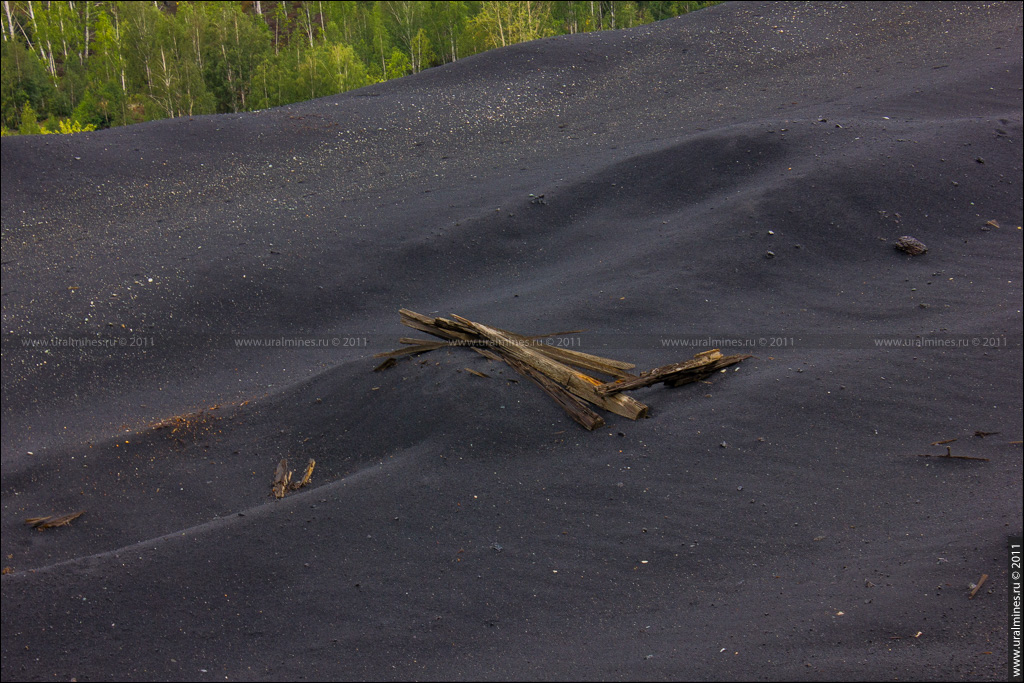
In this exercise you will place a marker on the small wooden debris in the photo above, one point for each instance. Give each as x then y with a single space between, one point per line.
943 442
977 587
982 435
477 373
910 245
305 477
282 479
40 523
283 483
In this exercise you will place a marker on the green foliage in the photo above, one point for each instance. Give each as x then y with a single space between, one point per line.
87 65
398 64
505 23
327 70
67 126
29 124
421 52
23 80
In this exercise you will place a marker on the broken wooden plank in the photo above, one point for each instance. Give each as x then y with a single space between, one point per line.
40 523
663 374
424 323
574 407
576 382
556 369
429 325
456 329
453 330
588 361
686 377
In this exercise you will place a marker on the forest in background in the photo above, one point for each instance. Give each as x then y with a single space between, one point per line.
79 65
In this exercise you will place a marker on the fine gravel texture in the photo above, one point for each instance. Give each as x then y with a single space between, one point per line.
739 174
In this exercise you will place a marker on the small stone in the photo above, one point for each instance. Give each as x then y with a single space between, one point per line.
910 245
770 254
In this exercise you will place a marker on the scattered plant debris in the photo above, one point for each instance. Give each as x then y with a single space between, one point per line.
949 456
40 523
189 426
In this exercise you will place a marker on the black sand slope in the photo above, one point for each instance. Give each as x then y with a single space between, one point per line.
770 524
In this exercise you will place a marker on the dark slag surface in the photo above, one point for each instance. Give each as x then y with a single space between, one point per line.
769 524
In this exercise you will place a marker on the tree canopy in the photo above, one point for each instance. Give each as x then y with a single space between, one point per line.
79 65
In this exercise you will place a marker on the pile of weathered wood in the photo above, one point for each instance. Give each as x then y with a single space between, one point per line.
558 371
